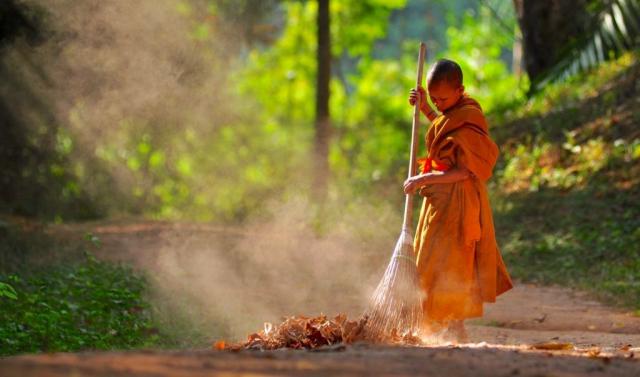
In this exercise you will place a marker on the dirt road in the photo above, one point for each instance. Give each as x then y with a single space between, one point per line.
359 360
512 339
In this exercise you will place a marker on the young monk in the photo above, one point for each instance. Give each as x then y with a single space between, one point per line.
458 259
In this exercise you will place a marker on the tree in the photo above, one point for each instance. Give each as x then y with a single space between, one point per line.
548 26
611 28
322 118
363 105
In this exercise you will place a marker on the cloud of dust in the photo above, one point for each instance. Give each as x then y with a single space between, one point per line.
230 282
108 72
109 61
119 59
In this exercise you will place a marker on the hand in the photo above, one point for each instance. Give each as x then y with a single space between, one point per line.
411 185
418 95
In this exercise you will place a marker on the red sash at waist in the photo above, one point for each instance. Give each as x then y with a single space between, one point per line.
428 165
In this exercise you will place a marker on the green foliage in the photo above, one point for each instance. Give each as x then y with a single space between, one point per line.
222 165
375 129
369 108
593 248
581 139
566 199
8 291
359 24
536 164
479 45
366 101
90 305
291 61
616 32
158 168
563 95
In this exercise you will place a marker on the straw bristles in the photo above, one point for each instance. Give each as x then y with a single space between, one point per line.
396 304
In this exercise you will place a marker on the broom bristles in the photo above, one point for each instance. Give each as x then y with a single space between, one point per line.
396 304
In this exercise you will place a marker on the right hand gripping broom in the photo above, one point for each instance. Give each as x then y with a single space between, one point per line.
396 304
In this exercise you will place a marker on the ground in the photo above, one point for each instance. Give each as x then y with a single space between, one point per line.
516 337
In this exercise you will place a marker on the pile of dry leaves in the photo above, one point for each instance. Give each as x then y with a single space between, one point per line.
300 332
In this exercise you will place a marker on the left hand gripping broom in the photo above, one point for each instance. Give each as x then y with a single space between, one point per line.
396 304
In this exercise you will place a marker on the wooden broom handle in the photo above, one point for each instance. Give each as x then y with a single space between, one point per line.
408 203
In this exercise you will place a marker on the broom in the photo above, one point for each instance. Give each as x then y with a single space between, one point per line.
396 304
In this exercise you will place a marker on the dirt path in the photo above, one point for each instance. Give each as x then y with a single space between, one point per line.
359 360
599 341
529 314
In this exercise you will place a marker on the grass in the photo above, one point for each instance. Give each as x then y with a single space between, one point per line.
567 191
88 305
554 237
55 296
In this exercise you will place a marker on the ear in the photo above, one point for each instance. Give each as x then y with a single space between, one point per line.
461 89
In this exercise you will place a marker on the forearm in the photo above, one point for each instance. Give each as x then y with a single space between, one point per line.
429 112
450 176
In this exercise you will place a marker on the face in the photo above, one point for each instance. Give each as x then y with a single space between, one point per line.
444 95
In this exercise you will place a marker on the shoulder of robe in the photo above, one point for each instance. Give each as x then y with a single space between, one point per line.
475 150
469 112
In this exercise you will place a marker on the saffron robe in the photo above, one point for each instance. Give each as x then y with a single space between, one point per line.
458 259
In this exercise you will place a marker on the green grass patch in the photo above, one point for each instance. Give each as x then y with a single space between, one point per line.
585 237
566 191
89 305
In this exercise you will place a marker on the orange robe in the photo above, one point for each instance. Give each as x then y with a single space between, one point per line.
458 259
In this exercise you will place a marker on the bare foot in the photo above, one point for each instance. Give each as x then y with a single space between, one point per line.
456 332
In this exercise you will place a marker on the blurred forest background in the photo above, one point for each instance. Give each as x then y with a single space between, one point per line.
217 110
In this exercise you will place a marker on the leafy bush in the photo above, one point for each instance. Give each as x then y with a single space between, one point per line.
7 290
90 305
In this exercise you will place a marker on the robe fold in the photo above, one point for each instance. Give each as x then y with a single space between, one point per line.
458 258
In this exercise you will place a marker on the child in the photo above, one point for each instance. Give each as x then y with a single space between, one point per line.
458 259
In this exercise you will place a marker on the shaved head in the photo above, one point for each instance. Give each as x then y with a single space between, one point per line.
445 70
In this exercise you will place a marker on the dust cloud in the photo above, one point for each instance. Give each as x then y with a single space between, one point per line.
100 76
117 59
230 282
107 70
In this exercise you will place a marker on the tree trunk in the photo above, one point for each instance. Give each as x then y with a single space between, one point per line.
548 27
323 120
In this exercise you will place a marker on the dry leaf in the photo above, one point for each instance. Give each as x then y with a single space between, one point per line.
552 346
219 345
412 339
267 328
300 332
593 352
626 347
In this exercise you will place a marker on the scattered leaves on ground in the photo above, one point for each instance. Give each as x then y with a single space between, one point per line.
300 332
